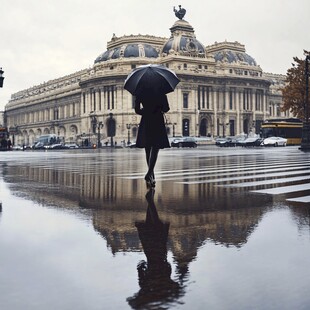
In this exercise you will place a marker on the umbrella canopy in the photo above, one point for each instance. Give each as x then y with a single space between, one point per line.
155 78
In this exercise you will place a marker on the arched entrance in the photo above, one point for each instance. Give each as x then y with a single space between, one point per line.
31 137
62 133
25 138
203 127
246 126
111 128
73 133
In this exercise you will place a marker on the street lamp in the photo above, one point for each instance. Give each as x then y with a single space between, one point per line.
100 125
1 77
128 128
173 129
198 125
307 88
305 138
111 127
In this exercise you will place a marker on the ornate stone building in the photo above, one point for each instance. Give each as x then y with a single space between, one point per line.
223 91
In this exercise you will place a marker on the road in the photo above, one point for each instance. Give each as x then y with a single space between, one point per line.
221 176
75 226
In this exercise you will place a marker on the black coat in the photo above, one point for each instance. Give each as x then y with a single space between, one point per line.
152 130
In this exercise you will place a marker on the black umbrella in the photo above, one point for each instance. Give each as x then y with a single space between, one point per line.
156 78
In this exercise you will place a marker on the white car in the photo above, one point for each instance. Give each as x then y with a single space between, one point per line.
274 141
71 146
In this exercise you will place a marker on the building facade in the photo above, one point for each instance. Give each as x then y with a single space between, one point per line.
223 92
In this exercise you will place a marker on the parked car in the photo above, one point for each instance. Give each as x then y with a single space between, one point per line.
131 145
17 147
252 141
226 142
274 141
38 146
71 145
55 146
184 142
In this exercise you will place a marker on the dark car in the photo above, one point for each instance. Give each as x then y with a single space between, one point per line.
184 142
225 142
252 142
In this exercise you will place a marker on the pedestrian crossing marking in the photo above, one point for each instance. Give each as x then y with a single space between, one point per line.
283 189
274 174
259 175
305 199
267 182
208 173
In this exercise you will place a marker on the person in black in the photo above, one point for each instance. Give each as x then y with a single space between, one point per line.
152 134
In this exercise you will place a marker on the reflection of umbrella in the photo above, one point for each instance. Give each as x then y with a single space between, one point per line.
156 78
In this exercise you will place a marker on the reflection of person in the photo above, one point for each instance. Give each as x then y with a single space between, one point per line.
156 286
152 134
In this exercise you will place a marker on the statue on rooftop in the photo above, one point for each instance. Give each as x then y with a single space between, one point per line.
179 13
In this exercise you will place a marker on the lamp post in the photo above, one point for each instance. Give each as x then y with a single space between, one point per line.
173 129
128 128
100 125
111 128
1 77
305 137
93 124
198 123
307 88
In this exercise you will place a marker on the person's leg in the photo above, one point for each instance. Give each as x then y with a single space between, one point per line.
147 177
151 164
147 154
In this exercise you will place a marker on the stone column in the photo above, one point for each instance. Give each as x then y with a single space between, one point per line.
237 107
215 108
265 107
253 107
97 98
226 100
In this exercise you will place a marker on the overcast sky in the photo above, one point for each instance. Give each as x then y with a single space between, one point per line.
46 39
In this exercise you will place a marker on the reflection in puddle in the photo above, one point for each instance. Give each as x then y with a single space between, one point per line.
156 286
187 234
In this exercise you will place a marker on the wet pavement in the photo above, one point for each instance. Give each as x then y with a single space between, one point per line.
226 228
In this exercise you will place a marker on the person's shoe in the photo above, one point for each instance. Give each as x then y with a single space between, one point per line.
153 179
148 179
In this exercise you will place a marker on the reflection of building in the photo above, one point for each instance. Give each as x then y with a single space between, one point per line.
222 91
198 215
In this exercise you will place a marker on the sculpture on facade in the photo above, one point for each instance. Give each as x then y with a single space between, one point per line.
179 13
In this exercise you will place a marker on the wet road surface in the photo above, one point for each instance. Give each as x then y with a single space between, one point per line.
225 229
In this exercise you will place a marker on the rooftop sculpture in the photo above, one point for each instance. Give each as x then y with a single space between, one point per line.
179 13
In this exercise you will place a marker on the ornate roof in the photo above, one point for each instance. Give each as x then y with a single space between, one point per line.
183 41
132 46
231 52
129 50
